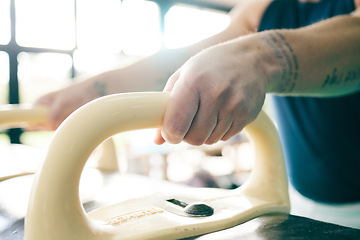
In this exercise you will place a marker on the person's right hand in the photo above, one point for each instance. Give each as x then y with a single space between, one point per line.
215 94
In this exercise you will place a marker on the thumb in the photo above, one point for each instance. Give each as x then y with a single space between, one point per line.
158 137
171 81
168 88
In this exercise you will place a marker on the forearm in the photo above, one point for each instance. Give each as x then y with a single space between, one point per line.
319 60
147 74
152 72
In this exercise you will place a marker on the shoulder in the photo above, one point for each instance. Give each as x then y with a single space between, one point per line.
357 9
249 13
357 4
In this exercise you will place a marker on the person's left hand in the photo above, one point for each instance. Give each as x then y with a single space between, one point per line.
214 94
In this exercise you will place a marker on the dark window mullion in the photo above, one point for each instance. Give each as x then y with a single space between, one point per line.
73 71
13 50
13 98
13 53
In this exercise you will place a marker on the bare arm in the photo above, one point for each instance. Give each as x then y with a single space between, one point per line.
150 73
319 60
220 90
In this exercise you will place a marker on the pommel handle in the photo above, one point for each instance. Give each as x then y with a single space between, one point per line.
55 210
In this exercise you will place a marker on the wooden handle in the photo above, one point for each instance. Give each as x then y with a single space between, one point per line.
55 210
15 115
22 115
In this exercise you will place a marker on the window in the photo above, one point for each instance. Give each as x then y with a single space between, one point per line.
98 25
40 73
4 77
55 40
4 21
141 27
45 23
197 25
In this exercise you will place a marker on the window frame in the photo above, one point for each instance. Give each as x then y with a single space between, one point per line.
13 49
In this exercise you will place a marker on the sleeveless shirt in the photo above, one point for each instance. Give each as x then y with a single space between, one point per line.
320 136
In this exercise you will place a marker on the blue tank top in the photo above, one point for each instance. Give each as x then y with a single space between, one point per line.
320 136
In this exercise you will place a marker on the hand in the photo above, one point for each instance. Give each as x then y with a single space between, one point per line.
214 94
63 102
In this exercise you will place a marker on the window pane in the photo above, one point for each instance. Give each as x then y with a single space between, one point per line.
91 62
187 25
4 21
4 77
45 23
4 138
40 73
141 27
98 24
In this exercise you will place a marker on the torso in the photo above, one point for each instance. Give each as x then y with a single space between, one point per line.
256 9
320 135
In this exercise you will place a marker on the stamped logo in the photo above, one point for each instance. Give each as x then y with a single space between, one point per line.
132 216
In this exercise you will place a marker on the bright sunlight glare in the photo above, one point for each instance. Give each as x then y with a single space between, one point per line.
110 26
4 77
141 27
45 23
185 25
4 21
4 63
99 25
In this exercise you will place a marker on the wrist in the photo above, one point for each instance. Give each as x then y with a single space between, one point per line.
94 87
279 62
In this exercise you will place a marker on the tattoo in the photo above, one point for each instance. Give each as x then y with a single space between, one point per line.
100 88
338 78
288 60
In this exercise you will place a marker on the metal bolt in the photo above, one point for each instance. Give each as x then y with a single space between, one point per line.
199 209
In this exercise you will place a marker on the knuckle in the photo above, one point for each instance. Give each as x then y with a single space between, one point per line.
235 129
198 80
211 141
173 135
194 141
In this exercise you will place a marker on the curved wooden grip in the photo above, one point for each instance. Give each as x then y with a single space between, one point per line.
13 115
55 210
22 115
268 179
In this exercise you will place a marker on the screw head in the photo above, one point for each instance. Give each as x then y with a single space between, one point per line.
199 209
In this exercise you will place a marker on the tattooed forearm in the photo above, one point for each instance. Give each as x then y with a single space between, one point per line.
338 78
288 61
100 88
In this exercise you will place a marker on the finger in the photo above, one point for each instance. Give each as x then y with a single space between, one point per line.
235 128
243 118
44 101
171 81
180 111
220 130
240 122
37 127
59 112
357 11
54 121
158 137
203 124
